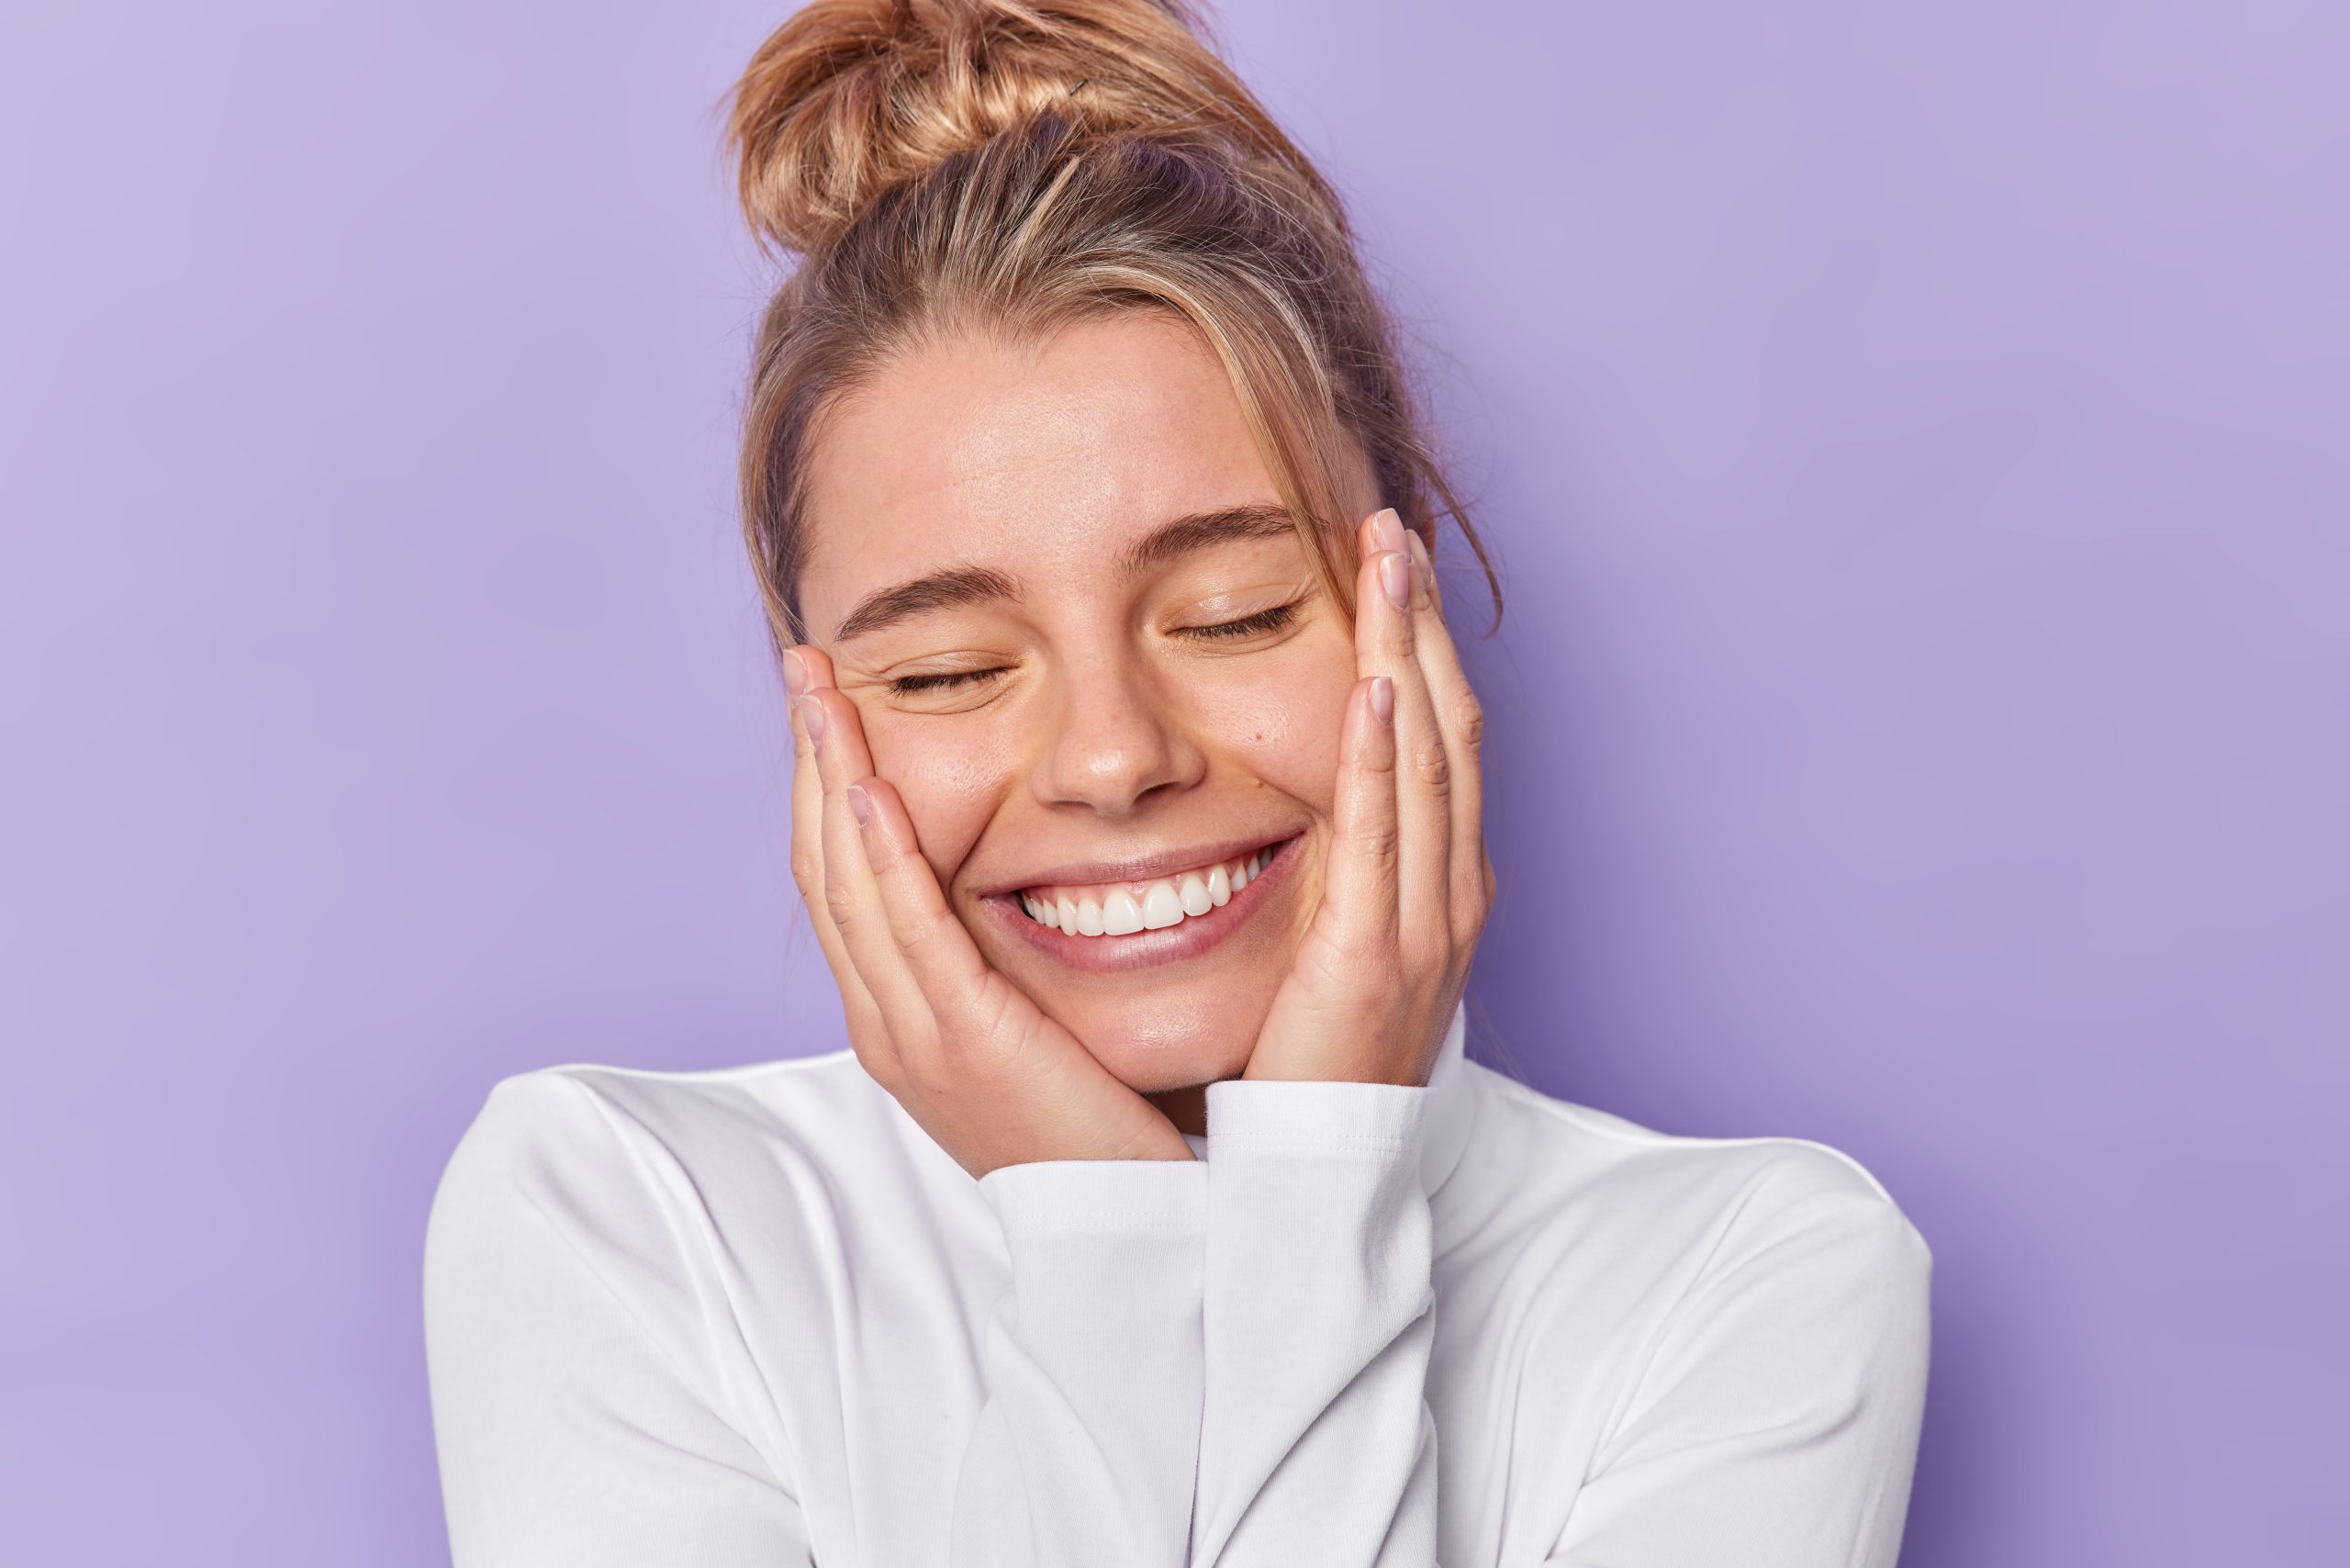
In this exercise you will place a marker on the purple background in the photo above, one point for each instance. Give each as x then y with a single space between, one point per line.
1915 438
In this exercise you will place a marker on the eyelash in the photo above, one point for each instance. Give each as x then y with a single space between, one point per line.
1270 620
913 685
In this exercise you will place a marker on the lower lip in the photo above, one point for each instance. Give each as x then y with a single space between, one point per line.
1144 949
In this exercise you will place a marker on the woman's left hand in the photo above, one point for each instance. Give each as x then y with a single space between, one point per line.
1408 884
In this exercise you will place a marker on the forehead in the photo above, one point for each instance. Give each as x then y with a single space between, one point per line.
1046 459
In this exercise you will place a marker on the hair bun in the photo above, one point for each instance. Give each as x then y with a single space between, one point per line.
850 98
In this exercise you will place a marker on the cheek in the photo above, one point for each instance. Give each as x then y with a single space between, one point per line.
951 778
1283 723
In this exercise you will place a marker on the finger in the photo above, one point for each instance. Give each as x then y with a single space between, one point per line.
851 895
955 979
1461 720
1387 633
1362 880
1420 556
804 668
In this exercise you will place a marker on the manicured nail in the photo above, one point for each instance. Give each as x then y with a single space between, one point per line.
1382 699
1388 529
860 804
1420 558
812 714
795 674
1395 577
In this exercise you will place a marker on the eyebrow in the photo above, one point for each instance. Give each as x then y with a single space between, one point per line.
1201 529
940 590
962 585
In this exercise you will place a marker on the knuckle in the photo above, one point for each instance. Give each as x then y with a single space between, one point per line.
808 873
1431 766
839 903
1381 841
1469 717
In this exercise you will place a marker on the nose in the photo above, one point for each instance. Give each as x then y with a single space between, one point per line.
1118 742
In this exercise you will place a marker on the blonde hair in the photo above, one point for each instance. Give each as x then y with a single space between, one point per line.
944 166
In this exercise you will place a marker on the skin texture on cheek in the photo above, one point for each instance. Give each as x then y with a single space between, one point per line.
954 778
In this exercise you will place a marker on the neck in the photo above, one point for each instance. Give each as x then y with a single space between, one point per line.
1186 1107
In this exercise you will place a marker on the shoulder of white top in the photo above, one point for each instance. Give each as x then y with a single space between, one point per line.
1607 1125
699 1074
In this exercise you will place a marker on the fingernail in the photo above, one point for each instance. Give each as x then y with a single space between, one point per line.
1382 699
860 804
1388 529
1427 569
812 714
795 674
1395 577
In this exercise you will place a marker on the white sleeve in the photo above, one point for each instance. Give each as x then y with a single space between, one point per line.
1776 1424
1316 1444
576 1426
1086 1451
580 1419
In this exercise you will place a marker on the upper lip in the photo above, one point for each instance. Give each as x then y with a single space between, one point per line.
1138 868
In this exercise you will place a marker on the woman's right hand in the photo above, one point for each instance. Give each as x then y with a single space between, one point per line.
990 1077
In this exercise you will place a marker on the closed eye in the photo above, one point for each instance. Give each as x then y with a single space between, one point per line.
945 681
1263 622
1270 620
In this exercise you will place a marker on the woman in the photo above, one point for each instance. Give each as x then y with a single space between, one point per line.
1153 1215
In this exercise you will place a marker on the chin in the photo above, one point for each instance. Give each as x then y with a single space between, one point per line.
1158 1042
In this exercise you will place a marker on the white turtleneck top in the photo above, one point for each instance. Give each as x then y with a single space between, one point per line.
758 1318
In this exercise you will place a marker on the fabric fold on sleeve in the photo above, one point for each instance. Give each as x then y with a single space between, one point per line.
1087 1449
1316 1444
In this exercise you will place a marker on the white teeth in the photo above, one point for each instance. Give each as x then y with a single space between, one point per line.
1168 901
1193 893
1161 907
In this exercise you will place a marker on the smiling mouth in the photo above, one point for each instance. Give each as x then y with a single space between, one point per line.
1113 911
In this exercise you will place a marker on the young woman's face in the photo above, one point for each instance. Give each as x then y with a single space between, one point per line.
1095 659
